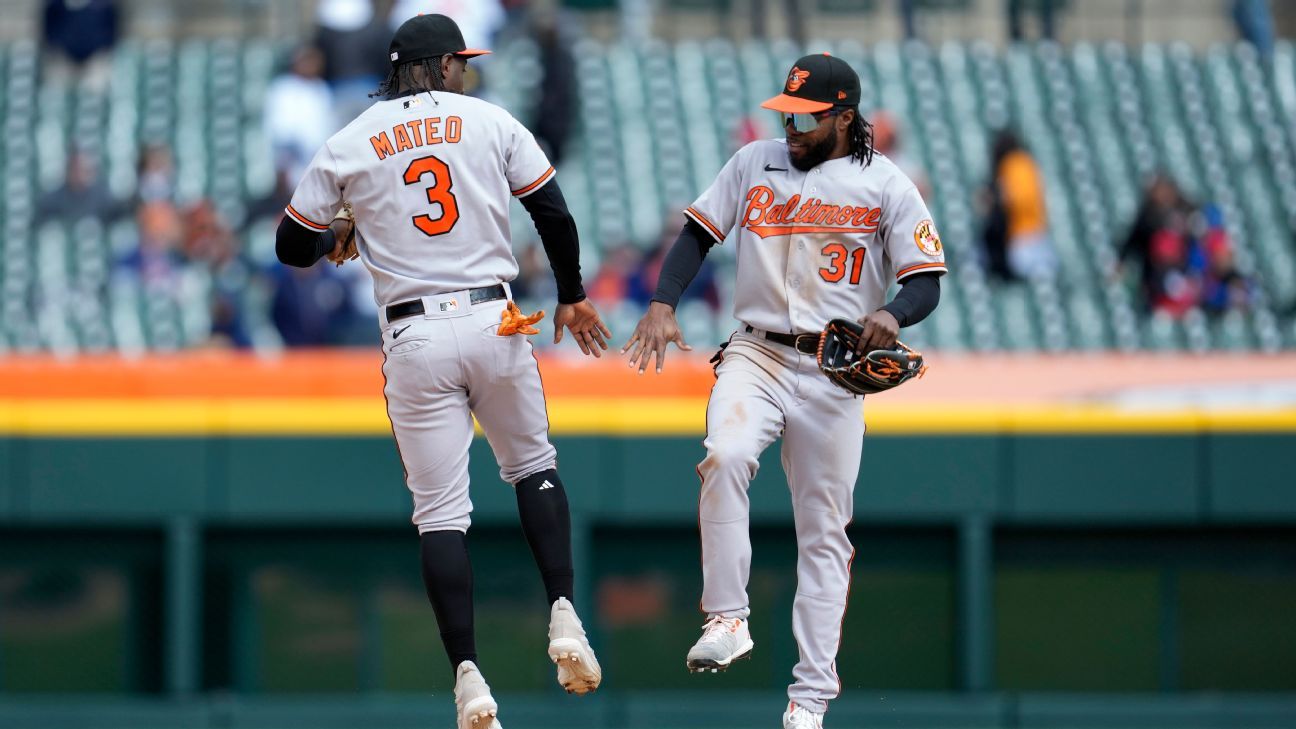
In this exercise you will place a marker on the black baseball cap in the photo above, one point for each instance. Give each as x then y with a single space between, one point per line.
429 36
817 82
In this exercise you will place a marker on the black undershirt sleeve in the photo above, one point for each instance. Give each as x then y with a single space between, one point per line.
918 297
557 231
682 263
297 245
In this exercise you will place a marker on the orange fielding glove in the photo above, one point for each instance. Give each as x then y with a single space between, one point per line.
513 321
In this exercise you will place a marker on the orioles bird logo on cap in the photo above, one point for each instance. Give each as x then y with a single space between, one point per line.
796 78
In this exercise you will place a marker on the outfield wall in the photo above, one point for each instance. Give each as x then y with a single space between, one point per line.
237 553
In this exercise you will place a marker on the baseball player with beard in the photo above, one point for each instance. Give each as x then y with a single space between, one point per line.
427 173
821 226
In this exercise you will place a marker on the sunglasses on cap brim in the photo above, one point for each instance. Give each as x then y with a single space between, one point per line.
803 123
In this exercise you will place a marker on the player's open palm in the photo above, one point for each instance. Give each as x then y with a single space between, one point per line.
582 320
656 329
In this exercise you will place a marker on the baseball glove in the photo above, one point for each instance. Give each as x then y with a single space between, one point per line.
864 374
513 321
348 251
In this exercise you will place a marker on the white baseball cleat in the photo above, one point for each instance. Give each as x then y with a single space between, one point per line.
473 699
723 641
799 717
578 669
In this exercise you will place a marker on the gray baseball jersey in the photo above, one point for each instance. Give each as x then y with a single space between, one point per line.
820 244
810 246
429 176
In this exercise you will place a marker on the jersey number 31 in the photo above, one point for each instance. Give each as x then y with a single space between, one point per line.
836 269
438 194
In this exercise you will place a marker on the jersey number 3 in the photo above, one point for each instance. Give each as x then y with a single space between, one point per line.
438 194
836 269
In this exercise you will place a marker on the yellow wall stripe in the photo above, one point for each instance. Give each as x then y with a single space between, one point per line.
576 416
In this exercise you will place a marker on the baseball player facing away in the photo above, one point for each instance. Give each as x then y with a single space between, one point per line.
428 173
822 225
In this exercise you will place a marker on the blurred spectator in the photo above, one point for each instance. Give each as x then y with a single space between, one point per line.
299 115
1017 9
1174 290
556 107
886 139
642 283
354 40
310 305
156 174
273 203
208 240
611 284
156 261
1223 287
793 16
1163 213
81 31
82 195
747 130
535 279
1255 24
1016 233
1185 255
908 19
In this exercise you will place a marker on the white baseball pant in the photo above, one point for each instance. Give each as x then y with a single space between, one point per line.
764 390
442 368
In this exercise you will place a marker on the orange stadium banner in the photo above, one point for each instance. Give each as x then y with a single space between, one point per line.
340 392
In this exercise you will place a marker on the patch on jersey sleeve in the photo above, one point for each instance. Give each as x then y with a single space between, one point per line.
927 239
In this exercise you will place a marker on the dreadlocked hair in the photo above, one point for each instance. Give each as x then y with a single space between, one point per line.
860 138
401 78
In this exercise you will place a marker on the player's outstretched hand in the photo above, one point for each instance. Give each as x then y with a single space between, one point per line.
880 331
656 329
583 321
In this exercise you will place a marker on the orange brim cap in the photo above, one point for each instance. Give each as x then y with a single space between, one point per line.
469 52
795 105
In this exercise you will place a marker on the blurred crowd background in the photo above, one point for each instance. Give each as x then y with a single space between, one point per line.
1095 189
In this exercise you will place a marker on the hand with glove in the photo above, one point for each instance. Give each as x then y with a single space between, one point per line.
343 226
849 361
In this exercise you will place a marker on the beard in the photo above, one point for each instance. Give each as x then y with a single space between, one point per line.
814 154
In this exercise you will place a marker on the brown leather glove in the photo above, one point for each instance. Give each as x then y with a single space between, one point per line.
343 226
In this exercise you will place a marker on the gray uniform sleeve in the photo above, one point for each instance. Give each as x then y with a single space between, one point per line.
319 194
716 210
912 243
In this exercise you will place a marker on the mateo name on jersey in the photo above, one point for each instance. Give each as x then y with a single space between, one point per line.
417 133
765 218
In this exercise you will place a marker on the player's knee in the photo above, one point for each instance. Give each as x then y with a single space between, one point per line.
730 456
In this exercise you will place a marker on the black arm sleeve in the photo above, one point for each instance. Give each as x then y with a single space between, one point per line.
918 297
297 245
558 234
682 263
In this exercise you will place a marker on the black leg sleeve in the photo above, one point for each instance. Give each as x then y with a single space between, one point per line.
448 579
546 521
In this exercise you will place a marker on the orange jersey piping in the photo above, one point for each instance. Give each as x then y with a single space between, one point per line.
542 180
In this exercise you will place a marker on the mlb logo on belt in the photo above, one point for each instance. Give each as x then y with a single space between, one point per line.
451 305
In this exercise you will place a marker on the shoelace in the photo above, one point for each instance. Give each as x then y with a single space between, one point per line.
716 628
